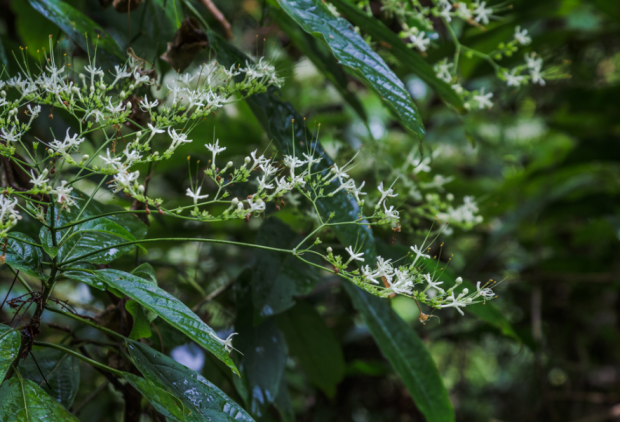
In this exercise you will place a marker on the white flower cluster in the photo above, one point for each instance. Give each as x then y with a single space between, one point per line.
9 216
385 279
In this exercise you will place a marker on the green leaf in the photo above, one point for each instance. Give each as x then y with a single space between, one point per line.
91 236
262 353
10 341
276 117
165 403
87 276
276 278
411 59
61 371
24 401
196 393
324 61
168 307
352 51
313 343
78 26
141 325
24 257
147 272
407 354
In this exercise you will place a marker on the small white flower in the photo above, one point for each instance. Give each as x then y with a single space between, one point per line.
262 184
419 41
484 100
482 13
433 284
115 109
145 105
196 196
11 136
442 69
177 139
419 253
486 293
8 213
445 11
512 79
533 62
391 214
111 161
226 343
387 193
462 11
64 194
521 36
215 149
131 156
537 77
339 173
39 181
354 256
456 303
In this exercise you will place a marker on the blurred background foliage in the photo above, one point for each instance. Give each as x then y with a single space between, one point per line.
544 165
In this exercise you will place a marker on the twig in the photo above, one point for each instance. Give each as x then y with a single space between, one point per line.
9 292
41 372
91 396
219 16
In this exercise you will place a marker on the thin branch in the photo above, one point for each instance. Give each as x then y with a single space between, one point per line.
219 16
213 295
9 292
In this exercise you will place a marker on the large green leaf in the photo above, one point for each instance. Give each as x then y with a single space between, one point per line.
411 59
23 256
62 372
85 273
168 307
262 353
407 354
22 400
164 402
352 51
196 393
277 117
324 61
313 343
78 26
10 341
276 277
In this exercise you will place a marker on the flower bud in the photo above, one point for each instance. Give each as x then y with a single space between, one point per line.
85 157
102 87
450 197
247 160
75 90
141 189
2 94
82 76
465 291
459 280
138 134
128 105
131 87
240 206
229 164
123 95
234 201
329 250
92 88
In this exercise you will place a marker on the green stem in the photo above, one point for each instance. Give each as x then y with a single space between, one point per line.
87 322
79 356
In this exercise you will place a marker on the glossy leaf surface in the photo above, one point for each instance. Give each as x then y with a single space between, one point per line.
10 341
22 256
167 307
165 403
24 401
407 56
352 51
61 371
196 393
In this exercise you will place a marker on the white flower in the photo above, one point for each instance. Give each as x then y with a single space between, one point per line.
537 77
39 181
115 109
131 156
445 12
67 144
354 256
442 69
10 136
387 193
63 193
196 196
215 149
260 161
484 100
356 191
433 284
521 36
339 173
419 41
123 179
121 72
226 343
533 62
486 293
97 113
111 161
456 303
34 111
311 160
391 214
482 13
370 275
140 78
259 205
419 253
177 139
145 105
8 212
512 79
262 184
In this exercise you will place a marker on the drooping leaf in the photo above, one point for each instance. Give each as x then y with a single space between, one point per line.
411 59
196 393
276 277
62 372
324 61
165 403
311 341
10 341
262 353
23 256
141 325
78 27
24 401
352 51
166 306
85 273
277 118
405 351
